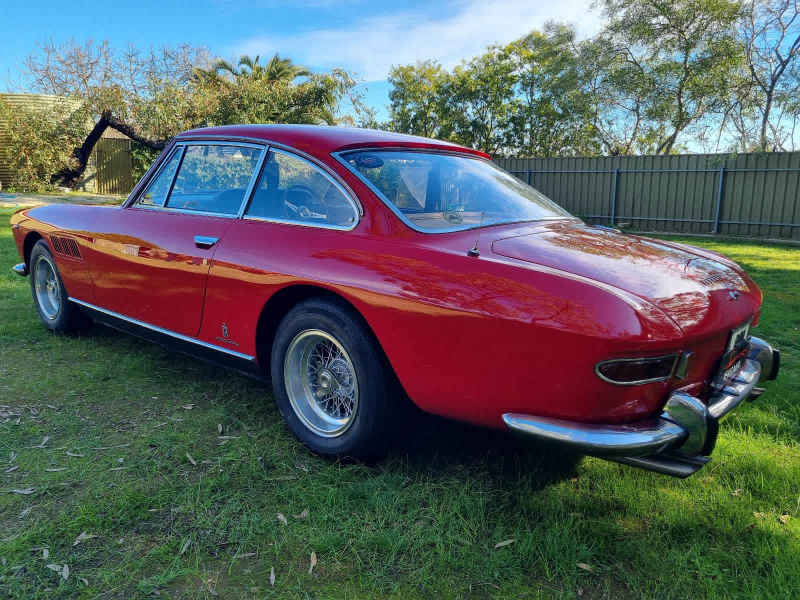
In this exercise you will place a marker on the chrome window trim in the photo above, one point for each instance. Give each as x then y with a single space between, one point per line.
183 139
183 211
180 146
157 329
175 150
398 213
675 357
272 144
356 206
251 186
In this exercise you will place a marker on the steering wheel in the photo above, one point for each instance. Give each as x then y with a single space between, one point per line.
301 202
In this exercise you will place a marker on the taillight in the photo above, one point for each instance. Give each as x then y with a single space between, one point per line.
636 371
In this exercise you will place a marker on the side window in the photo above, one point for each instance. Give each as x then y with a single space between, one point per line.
293 189
156 192
213 178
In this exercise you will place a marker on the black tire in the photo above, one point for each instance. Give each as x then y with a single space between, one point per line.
368 435
56 313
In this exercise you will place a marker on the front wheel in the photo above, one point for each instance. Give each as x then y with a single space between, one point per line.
331 381
50 295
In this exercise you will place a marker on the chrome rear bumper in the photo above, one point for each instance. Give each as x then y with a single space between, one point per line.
676 443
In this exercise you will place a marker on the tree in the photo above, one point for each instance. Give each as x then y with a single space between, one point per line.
770 82
683 50
553 108
276 70
151 96
417 105
479 96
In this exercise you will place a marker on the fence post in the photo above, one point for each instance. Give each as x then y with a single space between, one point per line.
614 186
528 176
718 204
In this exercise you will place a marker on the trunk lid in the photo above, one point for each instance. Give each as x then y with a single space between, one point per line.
684 283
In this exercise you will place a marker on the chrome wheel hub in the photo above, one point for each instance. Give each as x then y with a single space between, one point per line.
45 284
321 382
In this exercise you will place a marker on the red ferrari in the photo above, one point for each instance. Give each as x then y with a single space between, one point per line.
357 269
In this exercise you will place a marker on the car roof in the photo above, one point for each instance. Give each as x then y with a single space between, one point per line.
324 139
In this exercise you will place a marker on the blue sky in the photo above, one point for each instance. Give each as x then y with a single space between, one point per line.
365 37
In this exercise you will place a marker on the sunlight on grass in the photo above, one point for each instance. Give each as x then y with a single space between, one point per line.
120 417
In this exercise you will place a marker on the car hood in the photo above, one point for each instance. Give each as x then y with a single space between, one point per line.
684 282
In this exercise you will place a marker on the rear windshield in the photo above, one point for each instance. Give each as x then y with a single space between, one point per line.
436 192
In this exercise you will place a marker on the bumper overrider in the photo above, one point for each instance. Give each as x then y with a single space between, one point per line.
678 442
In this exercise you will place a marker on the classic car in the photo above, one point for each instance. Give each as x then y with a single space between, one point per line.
358 270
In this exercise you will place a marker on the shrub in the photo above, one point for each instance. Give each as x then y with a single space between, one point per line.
41 140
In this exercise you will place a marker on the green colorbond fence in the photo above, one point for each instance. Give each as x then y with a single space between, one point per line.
754 195
113 162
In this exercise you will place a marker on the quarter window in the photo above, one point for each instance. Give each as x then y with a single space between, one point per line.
291 189
156 192
213 178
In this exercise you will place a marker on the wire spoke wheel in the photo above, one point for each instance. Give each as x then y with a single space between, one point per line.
321 382
47 288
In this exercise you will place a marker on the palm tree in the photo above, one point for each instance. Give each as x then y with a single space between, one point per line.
275 71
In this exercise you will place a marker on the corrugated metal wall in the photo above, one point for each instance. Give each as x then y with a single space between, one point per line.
755 195
113 166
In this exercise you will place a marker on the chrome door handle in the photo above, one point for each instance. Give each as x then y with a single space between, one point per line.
204 241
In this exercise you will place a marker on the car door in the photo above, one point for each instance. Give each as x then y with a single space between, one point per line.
152 257
297 210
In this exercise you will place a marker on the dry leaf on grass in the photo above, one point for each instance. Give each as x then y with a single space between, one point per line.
191 459
112 447
45 553
25 512
65 572
185 546
759 515
56 469
23 491
283 520
302 515
784 519
504 543
187 406
84 581
313 562
83 537
736 492
272 576
219 428
44 441
586 567
12 469
74 454
56 568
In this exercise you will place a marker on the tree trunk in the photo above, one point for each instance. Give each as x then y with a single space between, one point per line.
762 142
70 177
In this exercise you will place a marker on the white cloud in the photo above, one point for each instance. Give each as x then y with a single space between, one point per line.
369 47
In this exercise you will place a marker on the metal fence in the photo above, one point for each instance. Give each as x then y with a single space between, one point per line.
113 165
755 195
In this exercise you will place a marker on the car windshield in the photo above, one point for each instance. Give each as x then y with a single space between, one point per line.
434 192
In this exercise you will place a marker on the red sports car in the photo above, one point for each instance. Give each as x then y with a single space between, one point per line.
357 269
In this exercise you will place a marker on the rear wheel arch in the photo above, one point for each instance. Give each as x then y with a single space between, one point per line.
282 301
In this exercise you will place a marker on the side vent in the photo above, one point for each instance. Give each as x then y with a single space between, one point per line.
66 246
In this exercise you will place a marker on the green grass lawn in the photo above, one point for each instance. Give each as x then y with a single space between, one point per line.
181 471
